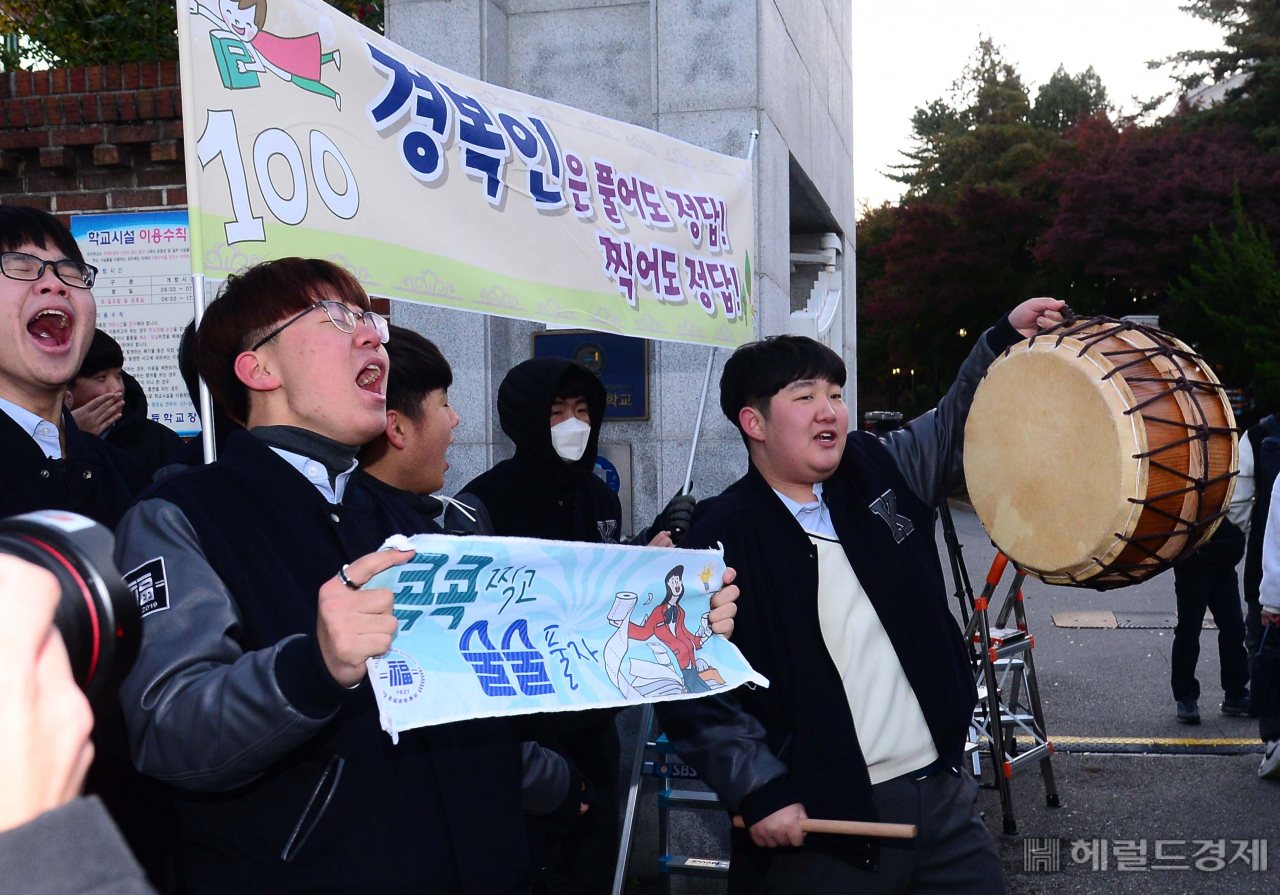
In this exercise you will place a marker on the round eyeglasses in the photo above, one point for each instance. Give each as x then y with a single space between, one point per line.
23 266
340 316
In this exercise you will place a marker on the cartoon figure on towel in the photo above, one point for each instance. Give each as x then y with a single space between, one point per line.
666 625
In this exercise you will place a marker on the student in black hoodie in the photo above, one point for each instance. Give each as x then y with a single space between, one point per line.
553 410
846 612
108 402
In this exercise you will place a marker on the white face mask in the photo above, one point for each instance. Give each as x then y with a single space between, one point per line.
570 438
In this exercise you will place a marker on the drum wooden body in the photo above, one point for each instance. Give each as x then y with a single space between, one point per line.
1100 452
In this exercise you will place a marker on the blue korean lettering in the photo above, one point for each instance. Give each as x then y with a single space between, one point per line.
421 142
421 152
553 151
466 572
487 663
527 665
549 633
522 137
449 600
593 655
485 151
406 617
530 141
415 582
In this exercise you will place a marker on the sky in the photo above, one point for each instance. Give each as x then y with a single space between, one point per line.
908 52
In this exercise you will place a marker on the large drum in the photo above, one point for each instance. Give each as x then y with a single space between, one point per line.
1100 452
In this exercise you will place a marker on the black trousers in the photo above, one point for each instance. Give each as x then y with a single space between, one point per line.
1252 624
589 852
1218 591
954 852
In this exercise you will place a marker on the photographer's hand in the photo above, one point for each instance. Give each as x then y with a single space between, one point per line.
45 720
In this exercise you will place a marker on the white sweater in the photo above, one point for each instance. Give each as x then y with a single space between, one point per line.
892 731
1270 590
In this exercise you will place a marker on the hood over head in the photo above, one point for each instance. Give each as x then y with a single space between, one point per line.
524 411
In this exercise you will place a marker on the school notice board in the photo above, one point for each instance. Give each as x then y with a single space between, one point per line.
144 300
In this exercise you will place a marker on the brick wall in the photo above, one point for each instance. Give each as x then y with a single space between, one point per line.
95 139
92 139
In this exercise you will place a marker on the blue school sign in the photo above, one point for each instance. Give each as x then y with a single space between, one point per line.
621 362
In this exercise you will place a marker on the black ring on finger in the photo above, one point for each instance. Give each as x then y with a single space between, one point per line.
342 576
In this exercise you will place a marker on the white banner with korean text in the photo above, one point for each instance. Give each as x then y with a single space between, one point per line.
308 134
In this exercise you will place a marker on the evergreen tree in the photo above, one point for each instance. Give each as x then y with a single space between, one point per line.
1251 56
1230 303
987 134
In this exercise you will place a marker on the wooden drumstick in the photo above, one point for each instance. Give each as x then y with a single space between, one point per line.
848 828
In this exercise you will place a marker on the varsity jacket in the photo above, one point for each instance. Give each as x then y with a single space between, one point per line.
283 781
762 749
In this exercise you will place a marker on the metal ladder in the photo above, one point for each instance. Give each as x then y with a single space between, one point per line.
655 758
1008 695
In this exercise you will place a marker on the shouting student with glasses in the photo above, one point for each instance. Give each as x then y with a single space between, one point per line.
249 696
48 312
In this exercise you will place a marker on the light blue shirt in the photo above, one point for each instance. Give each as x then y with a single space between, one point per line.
316 474
44 432
814 517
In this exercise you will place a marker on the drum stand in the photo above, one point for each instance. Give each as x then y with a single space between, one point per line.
1008 695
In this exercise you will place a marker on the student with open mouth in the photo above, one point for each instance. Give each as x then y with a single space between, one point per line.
48 320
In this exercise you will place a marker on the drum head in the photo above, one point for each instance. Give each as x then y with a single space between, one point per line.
1049 458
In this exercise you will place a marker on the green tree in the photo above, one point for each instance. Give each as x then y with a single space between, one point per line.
1066 100
1251 55
1231 302
66 33
987 134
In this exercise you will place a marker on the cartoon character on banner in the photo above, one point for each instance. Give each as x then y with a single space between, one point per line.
242 48
675 668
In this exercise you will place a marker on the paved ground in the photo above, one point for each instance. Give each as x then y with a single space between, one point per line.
1099 684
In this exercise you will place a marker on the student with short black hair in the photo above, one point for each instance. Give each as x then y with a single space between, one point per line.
248 696
407 461
844 609
406 464
49 314
107 401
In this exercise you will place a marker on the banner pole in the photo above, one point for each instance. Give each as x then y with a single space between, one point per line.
706 379
208 438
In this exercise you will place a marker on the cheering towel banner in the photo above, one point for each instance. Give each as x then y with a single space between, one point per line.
511 626
308 134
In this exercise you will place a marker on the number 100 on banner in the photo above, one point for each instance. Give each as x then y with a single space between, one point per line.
317 137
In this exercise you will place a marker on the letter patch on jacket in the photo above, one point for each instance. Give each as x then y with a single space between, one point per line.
608 530
886 507
147 584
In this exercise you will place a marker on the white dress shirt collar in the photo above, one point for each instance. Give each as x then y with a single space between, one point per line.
44 432
814 517
315 473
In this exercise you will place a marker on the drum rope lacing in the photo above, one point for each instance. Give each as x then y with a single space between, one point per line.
1075 325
